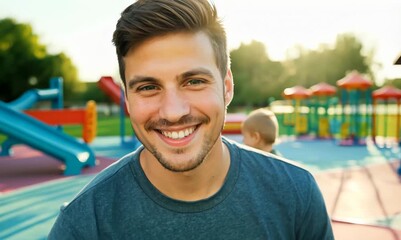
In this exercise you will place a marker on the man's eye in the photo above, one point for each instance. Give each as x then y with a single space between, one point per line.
147 88
195 82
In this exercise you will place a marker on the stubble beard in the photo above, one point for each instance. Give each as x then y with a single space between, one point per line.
189 164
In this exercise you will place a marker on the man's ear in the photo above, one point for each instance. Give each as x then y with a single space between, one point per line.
228 87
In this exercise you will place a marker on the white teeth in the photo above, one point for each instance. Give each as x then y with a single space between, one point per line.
179 134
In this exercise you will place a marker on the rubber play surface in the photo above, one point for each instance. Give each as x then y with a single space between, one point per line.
359 184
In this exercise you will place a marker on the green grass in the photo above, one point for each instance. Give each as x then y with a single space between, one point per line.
106 126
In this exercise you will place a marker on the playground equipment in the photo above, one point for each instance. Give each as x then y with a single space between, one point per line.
398 62
354 127
320 93
360 114
22 128
311 114
389 120
233 123
86 117
298 119
116 93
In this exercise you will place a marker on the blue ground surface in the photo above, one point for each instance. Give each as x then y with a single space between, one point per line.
321 155
29 213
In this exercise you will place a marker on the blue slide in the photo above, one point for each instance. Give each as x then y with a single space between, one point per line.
21 128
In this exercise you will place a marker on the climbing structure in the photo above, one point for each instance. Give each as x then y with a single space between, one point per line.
298 118
355 102
319 109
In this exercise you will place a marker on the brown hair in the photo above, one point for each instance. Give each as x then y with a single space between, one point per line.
146 19
264 122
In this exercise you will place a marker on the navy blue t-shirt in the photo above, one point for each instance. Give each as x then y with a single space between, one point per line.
262 198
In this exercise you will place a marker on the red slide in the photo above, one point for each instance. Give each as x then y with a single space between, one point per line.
111 89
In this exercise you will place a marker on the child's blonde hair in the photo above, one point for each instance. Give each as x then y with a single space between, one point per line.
264 122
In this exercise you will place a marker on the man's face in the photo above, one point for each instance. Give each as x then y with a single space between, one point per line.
177 98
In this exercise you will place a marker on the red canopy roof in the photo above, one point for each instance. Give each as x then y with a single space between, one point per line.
323 89
387 92
296 92
354 80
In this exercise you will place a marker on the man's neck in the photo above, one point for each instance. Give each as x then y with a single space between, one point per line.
199 183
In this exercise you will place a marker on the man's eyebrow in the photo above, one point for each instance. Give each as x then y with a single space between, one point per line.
147 79
197 71
140 79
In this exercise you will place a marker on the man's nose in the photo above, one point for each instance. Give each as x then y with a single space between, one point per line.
174 106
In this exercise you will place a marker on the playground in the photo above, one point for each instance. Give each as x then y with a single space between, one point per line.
42 167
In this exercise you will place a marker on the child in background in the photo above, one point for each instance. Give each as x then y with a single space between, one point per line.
260 130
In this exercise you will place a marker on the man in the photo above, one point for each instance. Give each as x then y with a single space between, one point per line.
187 181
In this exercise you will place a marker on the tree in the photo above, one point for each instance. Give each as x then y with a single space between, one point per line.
396 82
256 77
25 62
329 64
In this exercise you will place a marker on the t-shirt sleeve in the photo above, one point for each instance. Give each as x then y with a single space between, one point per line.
62 229
316 223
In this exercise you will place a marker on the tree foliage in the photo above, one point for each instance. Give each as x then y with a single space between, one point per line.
394 82
329 64
26 64
257 78
255 75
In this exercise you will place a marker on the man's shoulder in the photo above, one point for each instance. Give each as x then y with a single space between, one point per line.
106 179
259 169
256 156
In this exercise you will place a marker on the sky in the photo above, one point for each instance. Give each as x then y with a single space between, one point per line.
83 28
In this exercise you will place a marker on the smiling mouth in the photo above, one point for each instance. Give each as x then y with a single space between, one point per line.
178 134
